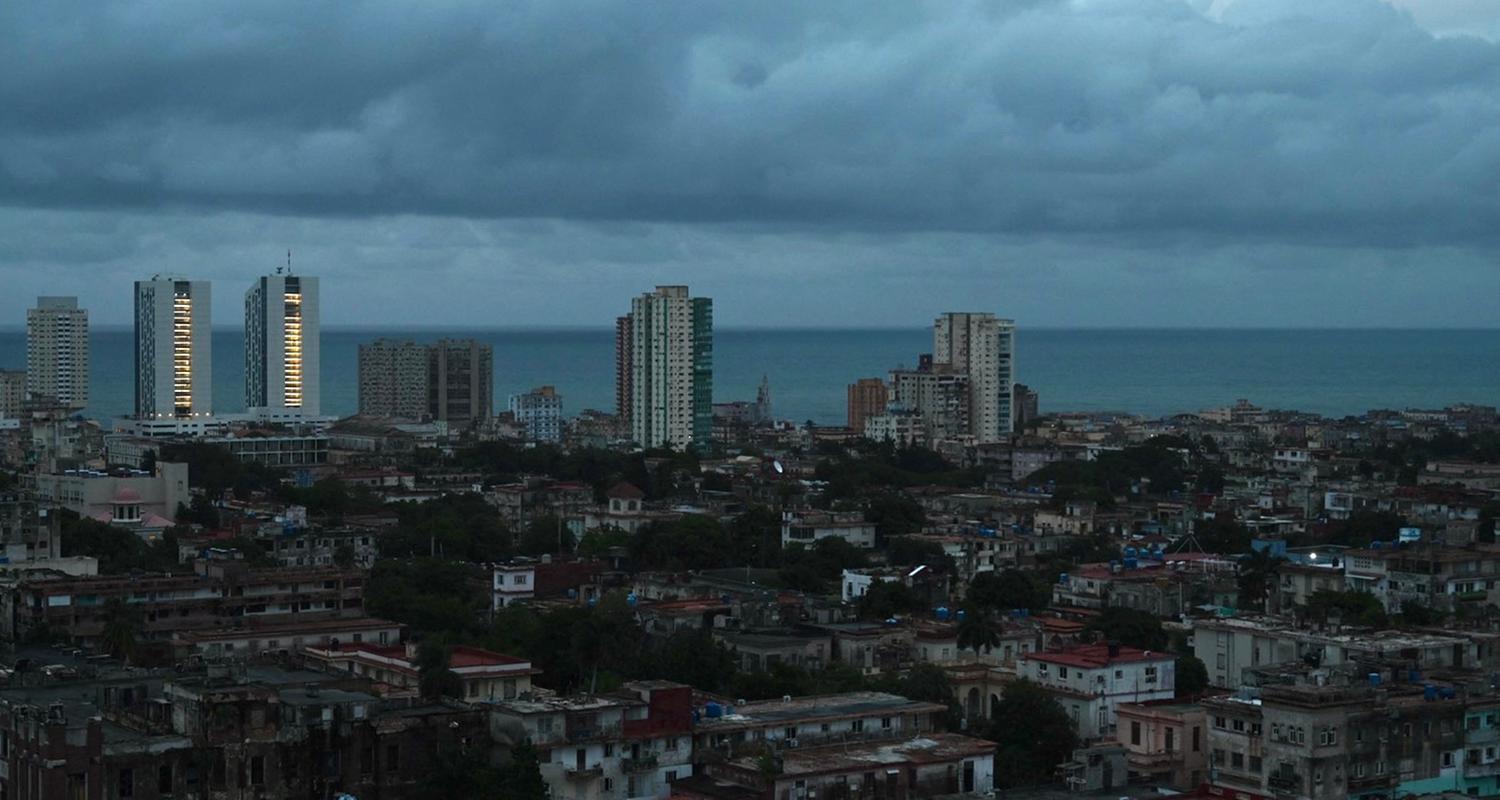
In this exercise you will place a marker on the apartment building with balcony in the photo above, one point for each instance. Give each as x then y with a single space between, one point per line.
218 595
1091 681
812 721
1165 742
629 744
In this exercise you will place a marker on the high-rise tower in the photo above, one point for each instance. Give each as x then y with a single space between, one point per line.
670 368
173 349
57 351
282 346
984 348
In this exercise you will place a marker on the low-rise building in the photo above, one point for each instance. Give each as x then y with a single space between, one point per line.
484 675
807 528
934 765
1164 743
1091 681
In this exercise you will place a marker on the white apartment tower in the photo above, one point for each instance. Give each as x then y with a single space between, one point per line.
282 353
57 351
173 349
670 368
984 348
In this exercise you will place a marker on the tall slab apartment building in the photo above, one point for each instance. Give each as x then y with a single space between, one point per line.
984 348
283 353
57 351
664 368
173 349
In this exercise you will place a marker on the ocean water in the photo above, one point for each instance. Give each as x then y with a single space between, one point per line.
1332 372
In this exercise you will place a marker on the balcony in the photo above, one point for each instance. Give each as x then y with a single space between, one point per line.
577 773
1369 782
1284 783
640 764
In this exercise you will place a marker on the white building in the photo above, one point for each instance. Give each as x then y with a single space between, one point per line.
1091 681
539 411
173 349
984 348
282 347
670 365
854 583
57 351
809 528
513 583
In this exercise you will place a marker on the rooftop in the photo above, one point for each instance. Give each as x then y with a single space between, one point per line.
813 707
1096 656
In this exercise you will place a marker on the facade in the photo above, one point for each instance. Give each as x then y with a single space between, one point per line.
940 395
142 502
1164 743
1091 681
484 674
513 583
461 381
867 398
173 349
283 352
982 347
671 368
12 393
625 371
935 765
393 379
220 595
1026 402
28 530
57 351
539 411
809 528
631 744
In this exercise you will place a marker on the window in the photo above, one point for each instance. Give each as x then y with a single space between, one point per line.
393 758
1238 725
164 779
1237 760
609 784
1329 735
789 733
671 775
1379 767
1150 674
1218 756
1171 735
127 782
1135 733
257 770
1255 729
1197 738
1447 759
609 747
1062 672
1255 764
520 580
858 726
885 723
366 760
1219 722
1359 770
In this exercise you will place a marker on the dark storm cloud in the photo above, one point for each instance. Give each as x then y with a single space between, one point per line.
1336 121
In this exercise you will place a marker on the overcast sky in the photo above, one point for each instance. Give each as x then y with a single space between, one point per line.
1093 162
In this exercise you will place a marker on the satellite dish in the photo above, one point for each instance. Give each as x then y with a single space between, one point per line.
776 465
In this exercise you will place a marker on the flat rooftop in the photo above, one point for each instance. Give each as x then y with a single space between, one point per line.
815 707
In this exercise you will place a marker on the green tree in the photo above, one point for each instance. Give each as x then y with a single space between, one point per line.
977 631
1257 574
544 535
1192 676
756 537
1352 608
886 599
521 777
1131 627
1414 613
434 677
122 625
1033 732
1010 589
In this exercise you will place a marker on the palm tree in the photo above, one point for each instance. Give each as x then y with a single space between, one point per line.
121 624
434 678
976 631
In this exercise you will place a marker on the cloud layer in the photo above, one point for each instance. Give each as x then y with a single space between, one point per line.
850 139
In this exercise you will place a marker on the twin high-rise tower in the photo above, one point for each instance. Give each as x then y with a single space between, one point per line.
174 348
282 347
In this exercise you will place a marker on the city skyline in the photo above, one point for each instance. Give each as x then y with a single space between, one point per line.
1250 163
